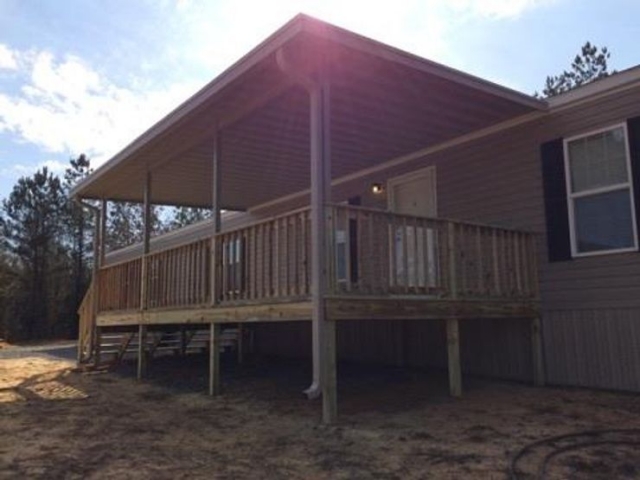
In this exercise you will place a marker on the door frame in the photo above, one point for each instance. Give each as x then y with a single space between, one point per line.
413 175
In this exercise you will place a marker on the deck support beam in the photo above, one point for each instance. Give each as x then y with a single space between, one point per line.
214 359
536 351
453 355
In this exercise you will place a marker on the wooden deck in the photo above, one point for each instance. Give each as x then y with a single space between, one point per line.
380 265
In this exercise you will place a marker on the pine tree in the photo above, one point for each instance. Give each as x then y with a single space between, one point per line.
590 65
32 226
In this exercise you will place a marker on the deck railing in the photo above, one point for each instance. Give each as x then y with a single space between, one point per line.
86 325
264 261
369 252
380 253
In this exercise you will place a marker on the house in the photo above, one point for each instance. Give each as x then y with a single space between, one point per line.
382 207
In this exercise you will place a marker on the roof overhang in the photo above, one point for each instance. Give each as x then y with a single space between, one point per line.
384 103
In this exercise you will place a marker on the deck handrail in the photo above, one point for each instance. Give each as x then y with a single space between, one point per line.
380 252
369 252
86 324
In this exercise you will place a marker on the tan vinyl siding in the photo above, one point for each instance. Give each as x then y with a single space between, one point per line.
591 305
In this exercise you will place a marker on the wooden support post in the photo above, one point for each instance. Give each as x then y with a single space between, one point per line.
97 346
214 359
102 232
330 377
453 353
142 353
215 214
320 194
183 341
453 270
146 243
240 344
536 350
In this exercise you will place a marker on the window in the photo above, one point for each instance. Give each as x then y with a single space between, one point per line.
599 192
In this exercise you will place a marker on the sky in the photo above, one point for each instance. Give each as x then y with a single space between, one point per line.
89 76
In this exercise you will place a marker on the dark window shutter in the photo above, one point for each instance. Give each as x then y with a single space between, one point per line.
633 131
555 200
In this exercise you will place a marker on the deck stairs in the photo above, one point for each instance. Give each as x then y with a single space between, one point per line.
116 346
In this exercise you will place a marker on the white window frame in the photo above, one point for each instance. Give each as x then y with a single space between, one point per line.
594 191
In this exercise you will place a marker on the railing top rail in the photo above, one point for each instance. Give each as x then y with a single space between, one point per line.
266 220
120 263
205 239
433 219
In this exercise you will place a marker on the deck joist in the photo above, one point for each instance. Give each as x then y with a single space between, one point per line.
337 308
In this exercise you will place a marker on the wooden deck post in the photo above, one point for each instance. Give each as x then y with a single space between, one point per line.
214 333
215 214
214 359
102 232
97 346
240 344
536 350
453 354
144 277
146 242
330 377
320 160
142 351
320 194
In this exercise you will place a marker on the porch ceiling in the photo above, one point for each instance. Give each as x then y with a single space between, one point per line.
384 103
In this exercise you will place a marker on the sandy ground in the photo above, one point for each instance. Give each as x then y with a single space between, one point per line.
57 423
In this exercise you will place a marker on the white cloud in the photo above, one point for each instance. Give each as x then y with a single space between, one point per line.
66 107
496 9
25 169
7 58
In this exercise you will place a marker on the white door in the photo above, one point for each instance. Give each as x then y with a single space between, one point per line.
414 194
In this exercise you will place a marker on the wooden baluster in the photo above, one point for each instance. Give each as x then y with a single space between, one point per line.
496 265
371 275
479 262
405 256
517 265
453 274
305 253
347 249
286 256
295 260
393 251
251 258
276 257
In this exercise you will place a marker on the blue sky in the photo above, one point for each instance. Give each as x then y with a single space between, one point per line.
89 76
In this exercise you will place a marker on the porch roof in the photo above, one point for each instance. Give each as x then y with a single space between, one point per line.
384 103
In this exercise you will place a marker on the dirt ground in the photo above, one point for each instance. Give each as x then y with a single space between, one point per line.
57 423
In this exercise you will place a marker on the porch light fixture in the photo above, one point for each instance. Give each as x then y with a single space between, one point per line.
377 188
